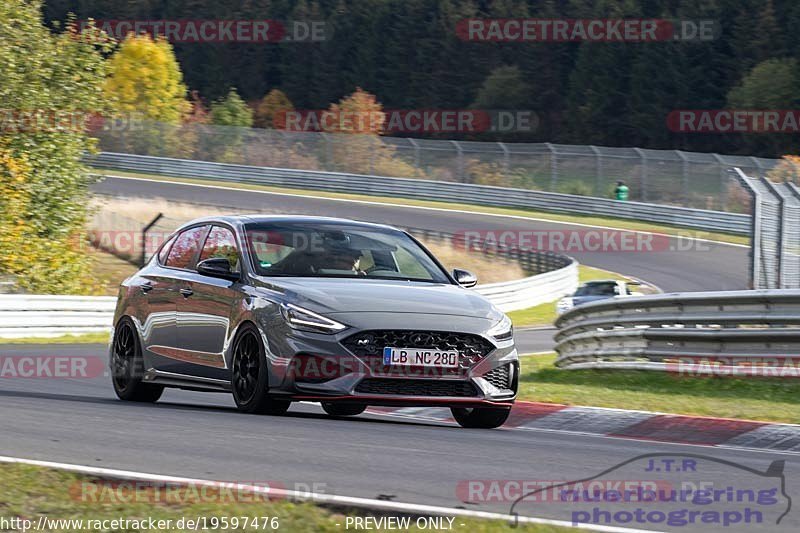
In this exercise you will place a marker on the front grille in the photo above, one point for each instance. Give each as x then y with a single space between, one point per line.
369 345
417 387
499 377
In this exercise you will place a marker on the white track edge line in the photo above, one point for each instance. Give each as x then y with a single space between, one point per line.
318 498
460 211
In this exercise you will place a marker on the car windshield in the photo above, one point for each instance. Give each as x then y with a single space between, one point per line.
597 289
322 250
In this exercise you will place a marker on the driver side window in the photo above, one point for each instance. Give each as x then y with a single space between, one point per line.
221 243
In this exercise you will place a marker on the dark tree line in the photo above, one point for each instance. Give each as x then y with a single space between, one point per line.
407 53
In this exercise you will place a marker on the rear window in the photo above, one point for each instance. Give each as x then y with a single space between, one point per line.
597 289
162 255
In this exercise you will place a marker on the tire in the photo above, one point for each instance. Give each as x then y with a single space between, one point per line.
480 417
250 376
343 409
127 367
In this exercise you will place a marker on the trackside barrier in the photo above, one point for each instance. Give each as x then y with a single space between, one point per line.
469 193
775 232
740 332
23 315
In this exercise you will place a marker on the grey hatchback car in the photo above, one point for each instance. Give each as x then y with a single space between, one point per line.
276 309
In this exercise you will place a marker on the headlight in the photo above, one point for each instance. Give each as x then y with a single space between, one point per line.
503 330
300 318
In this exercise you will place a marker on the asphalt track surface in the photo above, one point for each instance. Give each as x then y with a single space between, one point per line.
200 435
673 264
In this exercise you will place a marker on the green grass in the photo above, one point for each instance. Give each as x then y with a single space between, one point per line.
617 223
768 399
545 314
31 492
539 315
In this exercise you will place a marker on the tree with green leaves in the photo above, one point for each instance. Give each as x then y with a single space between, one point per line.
231 111
773 84
49 85
504 88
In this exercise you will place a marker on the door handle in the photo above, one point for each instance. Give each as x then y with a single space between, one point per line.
146 287
187 292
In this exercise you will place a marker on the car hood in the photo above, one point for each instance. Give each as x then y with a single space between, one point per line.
331 296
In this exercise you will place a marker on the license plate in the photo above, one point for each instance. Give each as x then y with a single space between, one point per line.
419 357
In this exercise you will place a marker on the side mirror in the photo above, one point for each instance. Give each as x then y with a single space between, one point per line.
217 267
465 278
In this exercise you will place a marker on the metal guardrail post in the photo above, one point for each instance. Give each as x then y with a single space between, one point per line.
781 257
755 229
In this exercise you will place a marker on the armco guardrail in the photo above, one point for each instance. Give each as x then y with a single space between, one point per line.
535 290
740 332
426 190
24 315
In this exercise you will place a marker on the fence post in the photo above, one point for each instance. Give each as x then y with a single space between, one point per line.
684 177
781 266
723 182
506 157
759 168
152 223
553 167
755 230
643 174
415 144
326 151
459 162
598 171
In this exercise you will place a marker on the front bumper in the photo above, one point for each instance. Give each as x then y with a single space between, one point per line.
318 367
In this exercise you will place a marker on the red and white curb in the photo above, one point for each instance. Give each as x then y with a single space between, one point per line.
639 425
